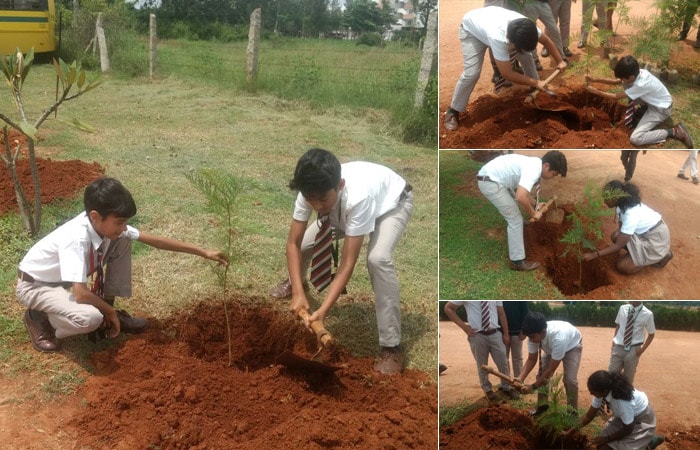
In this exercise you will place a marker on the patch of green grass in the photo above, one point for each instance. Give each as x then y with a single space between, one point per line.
150 134
454 413
473 241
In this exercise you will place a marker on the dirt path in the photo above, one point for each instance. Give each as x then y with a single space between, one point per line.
663 372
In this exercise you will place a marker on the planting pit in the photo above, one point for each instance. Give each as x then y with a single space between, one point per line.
542 243
172 387
502 426
505 121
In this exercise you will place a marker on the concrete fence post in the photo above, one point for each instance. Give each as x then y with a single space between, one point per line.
152 44
428 59
102 44
253 46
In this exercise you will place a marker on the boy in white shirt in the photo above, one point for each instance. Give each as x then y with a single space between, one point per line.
561 343
53 276
506 33
357 199
507 181
634 333
643 87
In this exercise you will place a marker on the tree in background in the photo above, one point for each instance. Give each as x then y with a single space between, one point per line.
364 16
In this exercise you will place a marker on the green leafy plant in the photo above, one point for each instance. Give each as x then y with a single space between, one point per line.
15 69
557 417
587 221
221 190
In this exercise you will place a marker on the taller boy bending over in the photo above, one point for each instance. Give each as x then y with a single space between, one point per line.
645 89
356 198
53 276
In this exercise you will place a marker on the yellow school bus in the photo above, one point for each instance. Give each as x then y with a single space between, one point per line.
27 23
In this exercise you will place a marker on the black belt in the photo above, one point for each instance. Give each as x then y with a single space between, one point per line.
655 226
408 188
489 332
24 276
484 178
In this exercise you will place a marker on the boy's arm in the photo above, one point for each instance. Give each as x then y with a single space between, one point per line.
83 294
610 95
610 81
348 259
173 245
553 50
296 278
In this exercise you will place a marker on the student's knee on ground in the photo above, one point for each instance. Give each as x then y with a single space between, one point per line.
615 234
626 266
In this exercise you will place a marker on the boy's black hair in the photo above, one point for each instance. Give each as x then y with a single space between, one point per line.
602 380
523 34
633 197
626 67
317 172
108 196
533 322
556 160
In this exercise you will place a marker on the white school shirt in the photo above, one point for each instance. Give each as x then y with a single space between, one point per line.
638 219
490 25
643 320
514 170
625 410
560 338
473 309
649 89
62 256
370 191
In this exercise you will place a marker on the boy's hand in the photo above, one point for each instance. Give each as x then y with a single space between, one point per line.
594 90
299 302
317 316
562 65
218 256
112 327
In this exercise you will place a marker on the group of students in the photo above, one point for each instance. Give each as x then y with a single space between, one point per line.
511 183
497 329
68 280
511 36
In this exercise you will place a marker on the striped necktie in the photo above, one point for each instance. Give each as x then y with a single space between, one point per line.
321 257
629 327
485 316
97 271
629 113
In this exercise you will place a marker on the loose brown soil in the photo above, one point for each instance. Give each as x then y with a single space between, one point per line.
504 427
668 363
172 388
503 120
58 179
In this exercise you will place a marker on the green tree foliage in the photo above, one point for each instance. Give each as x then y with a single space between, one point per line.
366 16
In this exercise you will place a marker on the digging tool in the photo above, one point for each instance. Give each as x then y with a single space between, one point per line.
532 95
510 380
325 340
554 215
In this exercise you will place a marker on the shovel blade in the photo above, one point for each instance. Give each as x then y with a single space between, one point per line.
555 215
294 361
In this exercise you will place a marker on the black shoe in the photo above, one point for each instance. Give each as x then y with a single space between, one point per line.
683 176
524 265
539 410
451 122
567 52
441 368
129 324
511 393
500 82
491 396
681 133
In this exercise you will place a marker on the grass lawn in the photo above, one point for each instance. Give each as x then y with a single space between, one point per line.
150 134
469 271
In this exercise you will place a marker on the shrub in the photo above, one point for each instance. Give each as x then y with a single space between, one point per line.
372 39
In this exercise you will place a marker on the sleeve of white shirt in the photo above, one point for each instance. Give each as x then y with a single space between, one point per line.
72 261
302 209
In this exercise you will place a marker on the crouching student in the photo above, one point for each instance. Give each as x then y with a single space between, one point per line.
633 421
53 276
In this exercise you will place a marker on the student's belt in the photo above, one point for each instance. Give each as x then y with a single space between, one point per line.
655 226
489 332
25 277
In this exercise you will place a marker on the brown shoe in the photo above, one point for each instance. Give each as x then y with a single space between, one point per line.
661 264
390 360
41 333
524 265
128 324
681 133
283 289
451 122
683 176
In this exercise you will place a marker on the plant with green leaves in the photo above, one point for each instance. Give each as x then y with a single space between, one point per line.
557 416
15 68
222 191
587 221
